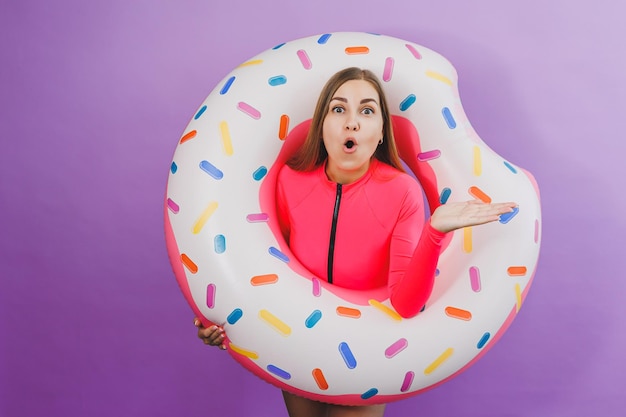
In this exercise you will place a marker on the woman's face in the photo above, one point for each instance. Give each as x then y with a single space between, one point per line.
352 128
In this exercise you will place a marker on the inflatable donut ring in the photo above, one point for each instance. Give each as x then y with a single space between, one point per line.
285 325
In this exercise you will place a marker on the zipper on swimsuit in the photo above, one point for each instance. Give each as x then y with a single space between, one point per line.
333 231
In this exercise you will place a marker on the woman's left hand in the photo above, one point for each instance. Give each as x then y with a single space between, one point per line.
452 216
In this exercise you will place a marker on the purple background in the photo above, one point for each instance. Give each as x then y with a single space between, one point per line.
95 95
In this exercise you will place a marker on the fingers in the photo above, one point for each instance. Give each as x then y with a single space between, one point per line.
213 335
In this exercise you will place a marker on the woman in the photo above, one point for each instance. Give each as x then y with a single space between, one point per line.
346 182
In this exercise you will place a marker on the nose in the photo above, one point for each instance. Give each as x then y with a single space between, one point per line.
352 123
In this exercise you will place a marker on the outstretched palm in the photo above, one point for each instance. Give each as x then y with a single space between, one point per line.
452 216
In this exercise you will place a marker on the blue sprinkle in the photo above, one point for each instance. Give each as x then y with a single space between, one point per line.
447 115
437 272
259 173
324 38
511 167
202 110
445 195
407 102
483 340
423 308
369 393
234 316
278 254
347 355
280 45
173 167
312 320
226 87
211 169
219 243
506 217
279 372
277 80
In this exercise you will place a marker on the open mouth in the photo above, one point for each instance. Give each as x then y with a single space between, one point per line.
349 144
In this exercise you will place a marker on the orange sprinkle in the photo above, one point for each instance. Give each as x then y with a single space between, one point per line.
479 194
516 271
349 312
188 136
467 239
264 279
319 378
189 264
458 313
355 50
284 127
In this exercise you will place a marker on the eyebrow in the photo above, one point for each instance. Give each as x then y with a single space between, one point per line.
344 100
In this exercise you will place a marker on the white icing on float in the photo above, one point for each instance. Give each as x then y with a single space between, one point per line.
298 332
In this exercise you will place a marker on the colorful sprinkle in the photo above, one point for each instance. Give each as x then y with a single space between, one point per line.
506 217
324 38
277 80
437 362
439 77
188 136
189 264
278 254
283 128
200 112
317 287
211 169
478 165
173 167
226 141
474 274
210 295
320 379
257 217
467 239
264 279
408 381
447 116
369 393
483 340
281 373
313 318
234 316
259 173
348 312
304 59
227 85
249 110
396 347
204 217
479 194
407 102
247 353
518 297
516 271
445 195
510 167
280 45
427 156
250 63
388 311
219 243
458 313
174 208
275 322
388 71
347 355
357 50
413 51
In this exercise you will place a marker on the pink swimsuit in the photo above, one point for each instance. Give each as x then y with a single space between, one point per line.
362 235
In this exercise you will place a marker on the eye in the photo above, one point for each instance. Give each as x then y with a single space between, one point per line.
368 110
337 109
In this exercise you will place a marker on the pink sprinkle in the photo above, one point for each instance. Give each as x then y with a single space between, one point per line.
396 348
426 156
249 110
317 287
408 381
414 51
474 273
210 295
388 71
257 217
174 207
304 58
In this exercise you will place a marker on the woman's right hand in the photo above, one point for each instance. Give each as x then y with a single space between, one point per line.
212 335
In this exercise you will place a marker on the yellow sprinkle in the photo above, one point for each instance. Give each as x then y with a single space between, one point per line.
467 239
478 165
389 311
275 322
441 359
247 353
228 144
518 298
439 77
197 227
253 62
